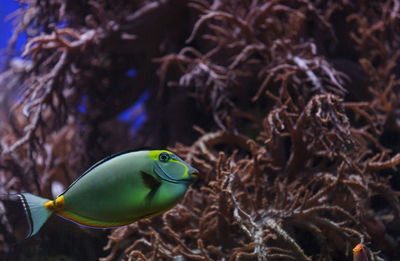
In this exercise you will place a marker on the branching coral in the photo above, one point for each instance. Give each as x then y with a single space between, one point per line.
244 212
295 104
312 167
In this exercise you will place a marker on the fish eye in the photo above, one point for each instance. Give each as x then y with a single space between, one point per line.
164 157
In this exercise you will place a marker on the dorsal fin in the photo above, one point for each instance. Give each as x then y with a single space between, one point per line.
111 157
101 162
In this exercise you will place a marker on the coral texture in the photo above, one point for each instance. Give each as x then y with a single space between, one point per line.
289 110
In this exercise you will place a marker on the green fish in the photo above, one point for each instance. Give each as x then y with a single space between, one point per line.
116 191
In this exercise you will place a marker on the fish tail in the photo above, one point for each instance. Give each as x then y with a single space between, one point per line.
36 211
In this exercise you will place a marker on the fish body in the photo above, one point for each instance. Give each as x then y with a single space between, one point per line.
359 253
117 191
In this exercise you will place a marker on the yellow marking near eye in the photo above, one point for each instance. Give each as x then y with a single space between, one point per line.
186 173
153 154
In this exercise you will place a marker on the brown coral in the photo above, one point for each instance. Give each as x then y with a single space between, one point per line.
289 109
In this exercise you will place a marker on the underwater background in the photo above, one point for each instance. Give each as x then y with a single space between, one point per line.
289 109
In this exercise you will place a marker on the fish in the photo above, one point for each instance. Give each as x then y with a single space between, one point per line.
359 253
116 191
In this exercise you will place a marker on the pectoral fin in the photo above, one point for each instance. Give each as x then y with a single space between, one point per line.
152 183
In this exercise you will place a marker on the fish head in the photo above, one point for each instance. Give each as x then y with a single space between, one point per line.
169 167
359 253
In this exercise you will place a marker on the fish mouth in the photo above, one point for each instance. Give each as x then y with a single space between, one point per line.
193 176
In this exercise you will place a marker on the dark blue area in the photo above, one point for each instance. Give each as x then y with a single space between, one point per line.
131 73
6 28
62 24
82 106
82 109
135 115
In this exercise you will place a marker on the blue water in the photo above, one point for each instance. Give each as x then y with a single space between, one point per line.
135 116
6 27
82 106
131 73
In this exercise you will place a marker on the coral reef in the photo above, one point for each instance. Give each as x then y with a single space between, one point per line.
289 110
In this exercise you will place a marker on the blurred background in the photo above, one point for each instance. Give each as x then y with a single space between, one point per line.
289 109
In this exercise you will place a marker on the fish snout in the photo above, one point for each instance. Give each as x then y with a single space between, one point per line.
194 174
